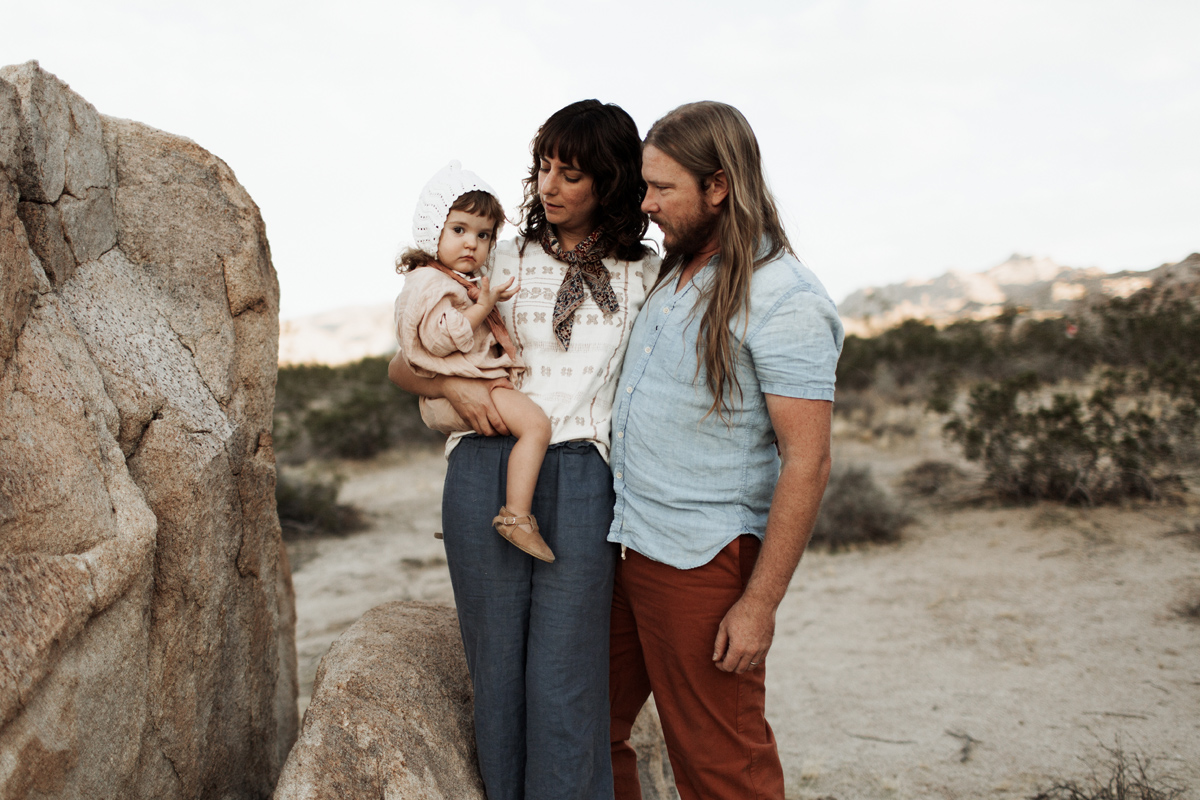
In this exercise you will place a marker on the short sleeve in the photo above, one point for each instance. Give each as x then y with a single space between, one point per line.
444 330
427 318
796 345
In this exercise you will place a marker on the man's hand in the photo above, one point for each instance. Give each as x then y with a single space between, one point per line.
472 399
744 636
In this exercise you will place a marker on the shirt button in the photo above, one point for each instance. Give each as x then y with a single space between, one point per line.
647 349
620 434
618 476
666 310
628 390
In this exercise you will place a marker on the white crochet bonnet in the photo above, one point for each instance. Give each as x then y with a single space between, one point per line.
450 183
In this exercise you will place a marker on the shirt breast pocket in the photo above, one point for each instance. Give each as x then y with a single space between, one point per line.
679 358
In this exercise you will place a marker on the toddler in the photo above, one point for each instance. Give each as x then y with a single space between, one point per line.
447 324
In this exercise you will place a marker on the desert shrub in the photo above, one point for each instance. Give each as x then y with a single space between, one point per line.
1117 444
357 426
856 510
1121 776
349 411
308 506
1154 331
929 477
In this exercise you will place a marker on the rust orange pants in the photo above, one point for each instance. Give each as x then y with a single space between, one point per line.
664 626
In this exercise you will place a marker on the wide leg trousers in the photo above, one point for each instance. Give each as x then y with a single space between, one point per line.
535 634
664 626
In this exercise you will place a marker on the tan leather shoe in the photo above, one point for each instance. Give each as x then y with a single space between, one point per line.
523 532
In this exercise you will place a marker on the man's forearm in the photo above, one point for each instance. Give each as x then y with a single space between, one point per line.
793 514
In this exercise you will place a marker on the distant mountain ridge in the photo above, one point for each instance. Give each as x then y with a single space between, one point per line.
338 336
1036 285
1039 286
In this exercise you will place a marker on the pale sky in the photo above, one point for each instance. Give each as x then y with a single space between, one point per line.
901 139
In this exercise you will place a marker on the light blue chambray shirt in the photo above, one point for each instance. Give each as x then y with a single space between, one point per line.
687 486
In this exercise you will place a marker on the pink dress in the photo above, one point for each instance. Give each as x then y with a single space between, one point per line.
436 339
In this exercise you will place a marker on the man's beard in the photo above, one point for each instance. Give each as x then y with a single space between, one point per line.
691 235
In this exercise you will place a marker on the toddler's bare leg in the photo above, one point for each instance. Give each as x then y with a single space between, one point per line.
529 424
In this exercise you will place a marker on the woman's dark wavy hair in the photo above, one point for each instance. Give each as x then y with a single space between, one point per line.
601 140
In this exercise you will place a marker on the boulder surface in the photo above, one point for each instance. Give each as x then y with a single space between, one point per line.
391 717
147 620
391 713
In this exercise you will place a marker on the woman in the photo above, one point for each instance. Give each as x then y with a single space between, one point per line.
536 633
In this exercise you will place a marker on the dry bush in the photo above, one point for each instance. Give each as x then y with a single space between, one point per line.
348 411
855 510
308 506
1118 443
930 478
1121 776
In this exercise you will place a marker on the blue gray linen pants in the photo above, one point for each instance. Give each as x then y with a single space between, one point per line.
535 634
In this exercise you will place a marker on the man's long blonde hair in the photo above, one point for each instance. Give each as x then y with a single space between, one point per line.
703 138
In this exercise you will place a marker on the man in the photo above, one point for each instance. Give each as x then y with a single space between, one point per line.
720 455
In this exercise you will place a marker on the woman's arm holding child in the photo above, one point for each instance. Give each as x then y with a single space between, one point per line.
470 397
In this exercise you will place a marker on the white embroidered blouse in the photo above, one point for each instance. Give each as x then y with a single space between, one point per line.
574 387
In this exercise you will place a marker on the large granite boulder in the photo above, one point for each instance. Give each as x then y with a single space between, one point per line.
146 611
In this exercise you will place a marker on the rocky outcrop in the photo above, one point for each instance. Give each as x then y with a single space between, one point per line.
146 612
391 713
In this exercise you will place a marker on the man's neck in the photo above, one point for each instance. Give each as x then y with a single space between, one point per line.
696 261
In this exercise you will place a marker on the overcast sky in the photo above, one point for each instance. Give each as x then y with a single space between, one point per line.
902 139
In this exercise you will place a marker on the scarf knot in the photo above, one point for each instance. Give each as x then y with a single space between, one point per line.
585 272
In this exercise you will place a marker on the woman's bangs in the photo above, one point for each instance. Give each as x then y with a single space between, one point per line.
571 143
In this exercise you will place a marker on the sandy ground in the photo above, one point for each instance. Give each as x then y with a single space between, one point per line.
989 653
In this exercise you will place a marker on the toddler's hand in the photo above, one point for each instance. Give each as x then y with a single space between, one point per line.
509 289
491 295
